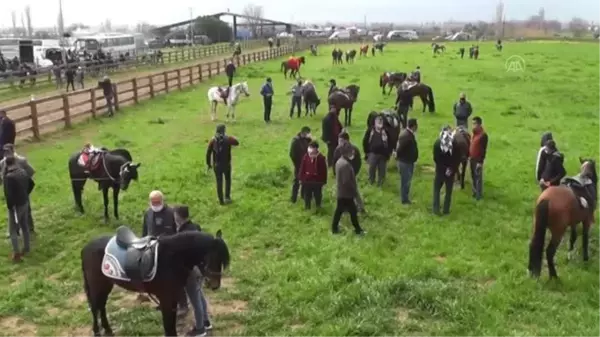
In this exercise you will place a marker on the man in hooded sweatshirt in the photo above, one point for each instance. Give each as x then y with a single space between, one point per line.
446 161
218 157
551 169
230 71
298 149
313 175
546 136
377 151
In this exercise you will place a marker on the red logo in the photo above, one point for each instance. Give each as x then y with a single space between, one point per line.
106 266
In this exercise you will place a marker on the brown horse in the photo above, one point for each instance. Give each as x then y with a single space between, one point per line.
293 65
344 99
391 79
463 141
364 50
425 93
561 207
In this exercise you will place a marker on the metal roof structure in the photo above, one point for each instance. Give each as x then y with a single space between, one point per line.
262 21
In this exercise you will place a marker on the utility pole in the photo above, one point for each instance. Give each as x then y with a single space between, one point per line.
61 31
192 22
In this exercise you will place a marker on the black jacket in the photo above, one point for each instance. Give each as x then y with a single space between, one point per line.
189 226
551 167
407 151
298 149
159 223
331 128
8 132
220 151
106 86
373 142
404 98
230 69
444 161
356 162
16 187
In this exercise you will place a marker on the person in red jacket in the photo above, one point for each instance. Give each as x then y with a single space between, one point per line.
313 175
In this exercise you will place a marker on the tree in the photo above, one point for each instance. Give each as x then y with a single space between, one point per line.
28 19
107 25
14 20
23 22
578 26
215 29
255 14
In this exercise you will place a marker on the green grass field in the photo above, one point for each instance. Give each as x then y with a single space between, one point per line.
412 274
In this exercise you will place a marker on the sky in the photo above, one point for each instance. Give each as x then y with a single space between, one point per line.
130 12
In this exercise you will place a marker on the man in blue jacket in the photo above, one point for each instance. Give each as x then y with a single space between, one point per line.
267 93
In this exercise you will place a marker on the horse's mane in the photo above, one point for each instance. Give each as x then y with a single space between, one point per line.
184 241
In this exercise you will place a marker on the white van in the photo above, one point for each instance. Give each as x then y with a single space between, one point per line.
403 35
341 34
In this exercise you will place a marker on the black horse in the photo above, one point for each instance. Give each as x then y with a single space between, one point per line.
156 266
378 46
336 56
424 92
344 99
111 169
350 55
310 97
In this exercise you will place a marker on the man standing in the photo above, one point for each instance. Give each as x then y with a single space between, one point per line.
404 101
8 131
158 217
193 287
313 175
377 151
70 75
296 98
298 149
218 156
462 111
230 71
331 128
407 154
9 151
267 93
332 87
344 141
80 77
16 187
57 75
477 152
416 75
107 88
346 192
552 169
446 163
461 52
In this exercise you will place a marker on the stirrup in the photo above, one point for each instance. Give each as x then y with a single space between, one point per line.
583 202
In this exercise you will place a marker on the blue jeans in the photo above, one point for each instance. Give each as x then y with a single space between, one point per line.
406 173
193 289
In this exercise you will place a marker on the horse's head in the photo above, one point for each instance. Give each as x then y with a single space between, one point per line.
129 172
353 90
242 88
215 261
301 60
588 169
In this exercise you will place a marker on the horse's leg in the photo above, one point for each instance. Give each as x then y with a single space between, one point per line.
462 174
550 252
77 187
350 116
391 88
168 308
105 199
586 239
424 100
116 190
97 289
213 110
233 113
572 240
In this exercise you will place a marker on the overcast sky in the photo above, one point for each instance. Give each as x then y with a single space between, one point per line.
44 12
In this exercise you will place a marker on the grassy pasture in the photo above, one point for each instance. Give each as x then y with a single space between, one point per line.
412 274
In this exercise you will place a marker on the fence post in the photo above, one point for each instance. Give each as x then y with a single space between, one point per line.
66 110
116 97
151 84
200 73
191 70
170 53
179 79
166 80
135 90
210 70
93 102
35 126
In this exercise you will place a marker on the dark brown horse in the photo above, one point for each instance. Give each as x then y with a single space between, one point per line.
350 55
155 266
463 141
425 93
293 65
561 207
391 79
344 99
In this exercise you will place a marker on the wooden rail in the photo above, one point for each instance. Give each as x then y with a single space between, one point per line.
39 116
173 56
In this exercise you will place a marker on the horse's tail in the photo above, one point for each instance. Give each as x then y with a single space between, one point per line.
283 64
381 81
430 100
536 247
86 284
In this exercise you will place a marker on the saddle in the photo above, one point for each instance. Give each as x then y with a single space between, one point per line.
224 92
410 84
130 258
91 161
584 190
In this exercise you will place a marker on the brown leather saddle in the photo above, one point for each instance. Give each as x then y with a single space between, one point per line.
224 93
583 188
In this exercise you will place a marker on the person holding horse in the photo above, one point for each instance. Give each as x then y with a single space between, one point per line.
377 151
230 71
415 76
332 87
407 153
298 148
313 175
347 191
331 128
296 92
446 161
158 218
462 111
16 195
344 141
218 157
477 152
551 170
404 101
193 286
546 136
9 151
266 91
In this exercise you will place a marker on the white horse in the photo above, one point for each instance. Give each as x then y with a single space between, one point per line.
214 96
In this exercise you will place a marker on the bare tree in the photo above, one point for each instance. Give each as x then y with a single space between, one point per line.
255 14
578 26
108 25
28 19
14 20
23 22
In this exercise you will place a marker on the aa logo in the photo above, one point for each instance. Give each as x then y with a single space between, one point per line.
515 63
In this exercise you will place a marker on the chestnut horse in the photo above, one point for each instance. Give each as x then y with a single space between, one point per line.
561 207
463 141
391 79
293 65
364 50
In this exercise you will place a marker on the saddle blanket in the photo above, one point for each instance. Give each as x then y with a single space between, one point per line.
85 158
115 257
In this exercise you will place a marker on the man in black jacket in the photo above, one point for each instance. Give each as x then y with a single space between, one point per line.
107 88
407 154
8 131
551 170
331 128
377 151
16 194
298 149
70 75
218 156
158 218
404 101
230 71
446 160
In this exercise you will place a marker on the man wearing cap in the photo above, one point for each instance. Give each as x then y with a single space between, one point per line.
267 93
218 157
331 129
462 111
107 88
20 161
298 148
230 71
8 131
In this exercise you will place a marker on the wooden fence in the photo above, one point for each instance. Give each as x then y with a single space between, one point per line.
172 56
50 114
